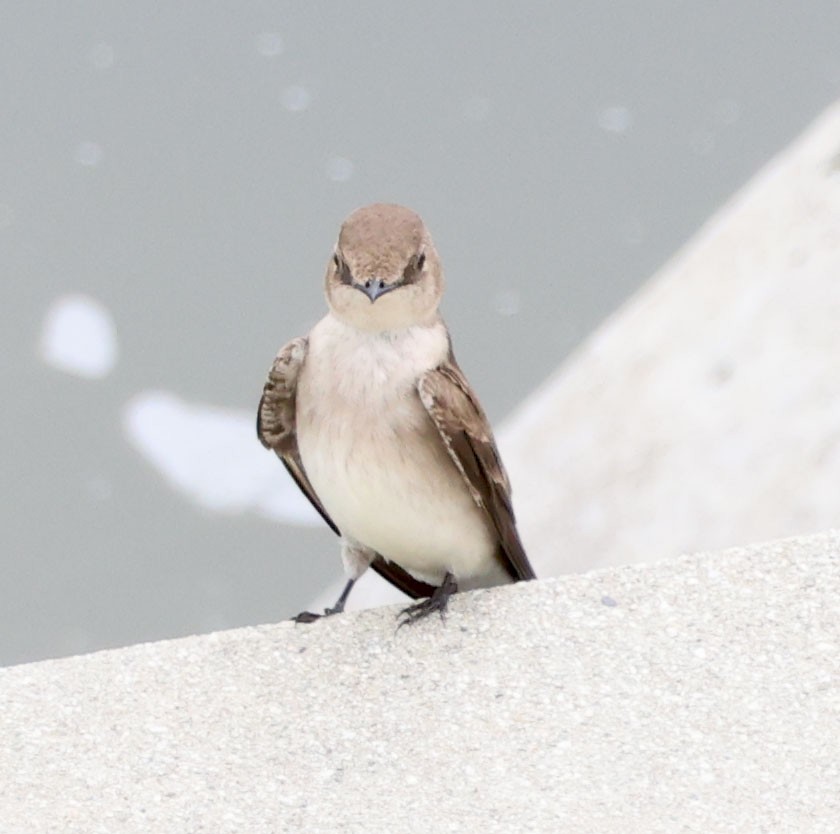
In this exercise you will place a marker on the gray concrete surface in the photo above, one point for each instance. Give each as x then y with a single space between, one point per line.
700 694
706 412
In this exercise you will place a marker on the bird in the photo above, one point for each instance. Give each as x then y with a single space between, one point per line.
377 424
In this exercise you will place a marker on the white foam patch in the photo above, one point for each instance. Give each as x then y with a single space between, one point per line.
269 44
339 169
507 302
78 336
477 109
101 56
616 119
296 98
89 154
212 456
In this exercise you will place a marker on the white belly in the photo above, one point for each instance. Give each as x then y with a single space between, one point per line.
379 467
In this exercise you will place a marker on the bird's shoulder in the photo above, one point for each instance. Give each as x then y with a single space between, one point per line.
464 428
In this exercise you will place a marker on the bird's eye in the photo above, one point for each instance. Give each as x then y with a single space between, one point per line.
342 270
421 261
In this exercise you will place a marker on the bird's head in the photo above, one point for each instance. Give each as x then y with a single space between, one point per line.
385 273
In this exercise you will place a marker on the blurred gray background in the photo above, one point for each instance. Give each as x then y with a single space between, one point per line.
184 168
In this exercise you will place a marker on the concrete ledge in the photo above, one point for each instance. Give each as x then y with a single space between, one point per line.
700 694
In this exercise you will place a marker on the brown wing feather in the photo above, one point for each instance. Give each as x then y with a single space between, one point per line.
466 433
276 430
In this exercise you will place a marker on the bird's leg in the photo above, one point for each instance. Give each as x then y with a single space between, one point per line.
438 601
339 603
309 617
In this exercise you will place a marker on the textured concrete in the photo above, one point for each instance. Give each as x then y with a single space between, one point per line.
701 694
706 412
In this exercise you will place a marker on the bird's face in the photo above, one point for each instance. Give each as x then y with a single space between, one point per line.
385 273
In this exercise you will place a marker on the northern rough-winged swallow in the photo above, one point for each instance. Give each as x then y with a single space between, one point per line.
379 427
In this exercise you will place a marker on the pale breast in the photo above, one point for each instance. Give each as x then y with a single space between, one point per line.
374 456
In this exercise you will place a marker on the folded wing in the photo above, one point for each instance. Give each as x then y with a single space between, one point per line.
466 433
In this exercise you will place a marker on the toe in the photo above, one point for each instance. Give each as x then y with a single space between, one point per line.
306 617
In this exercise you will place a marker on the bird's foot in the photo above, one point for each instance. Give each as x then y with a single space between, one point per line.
438 601
309 617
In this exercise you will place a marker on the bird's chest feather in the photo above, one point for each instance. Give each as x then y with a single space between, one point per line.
356 386
364 437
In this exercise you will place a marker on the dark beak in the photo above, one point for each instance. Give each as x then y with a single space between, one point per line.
373 288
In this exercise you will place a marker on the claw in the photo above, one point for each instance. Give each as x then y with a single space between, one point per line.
306 617
438 601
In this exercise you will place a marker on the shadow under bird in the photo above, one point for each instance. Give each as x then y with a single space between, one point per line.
377 424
